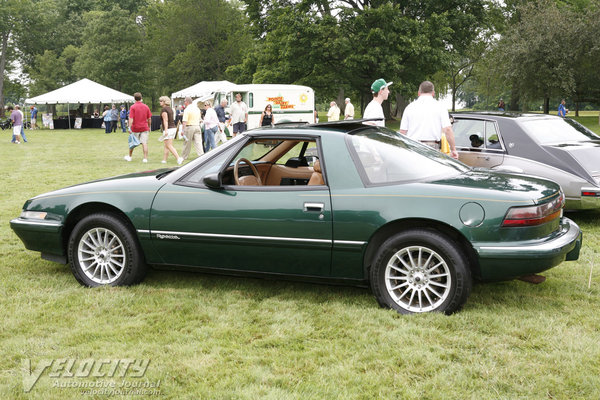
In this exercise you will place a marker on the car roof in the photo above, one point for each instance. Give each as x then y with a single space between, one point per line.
299 128
502 115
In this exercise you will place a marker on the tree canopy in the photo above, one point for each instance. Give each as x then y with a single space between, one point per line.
526 51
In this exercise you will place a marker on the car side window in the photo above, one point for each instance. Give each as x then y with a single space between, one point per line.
469 133
491 133
210 167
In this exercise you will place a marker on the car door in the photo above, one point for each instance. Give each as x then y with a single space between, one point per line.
275 229
478 142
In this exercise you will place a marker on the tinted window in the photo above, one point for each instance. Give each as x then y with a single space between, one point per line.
385 156
557 130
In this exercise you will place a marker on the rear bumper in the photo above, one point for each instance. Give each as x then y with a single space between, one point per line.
40 235
512 260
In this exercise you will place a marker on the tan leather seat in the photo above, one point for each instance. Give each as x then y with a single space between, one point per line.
317 177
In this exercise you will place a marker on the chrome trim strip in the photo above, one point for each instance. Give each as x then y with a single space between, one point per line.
143 231
226 236
350 242
37 222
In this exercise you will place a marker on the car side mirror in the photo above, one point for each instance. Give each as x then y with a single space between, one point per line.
212 181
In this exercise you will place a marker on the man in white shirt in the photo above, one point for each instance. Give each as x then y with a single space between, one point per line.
380 91
349 109
239 115
191 129
334 112
425 119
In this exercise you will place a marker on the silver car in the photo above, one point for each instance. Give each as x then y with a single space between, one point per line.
559 149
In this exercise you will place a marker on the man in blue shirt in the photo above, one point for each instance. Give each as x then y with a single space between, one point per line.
220 110
123 116
562 111
34 112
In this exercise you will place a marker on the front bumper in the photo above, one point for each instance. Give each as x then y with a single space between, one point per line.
510 260
44 236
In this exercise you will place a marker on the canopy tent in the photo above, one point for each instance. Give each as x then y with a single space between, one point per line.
84 91
202 89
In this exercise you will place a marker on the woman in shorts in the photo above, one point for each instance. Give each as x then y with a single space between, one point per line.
168 128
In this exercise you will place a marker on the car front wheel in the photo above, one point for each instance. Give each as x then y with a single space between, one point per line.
420 271
104 251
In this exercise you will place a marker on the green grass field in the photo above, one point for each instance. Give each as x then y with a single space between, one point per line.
213 337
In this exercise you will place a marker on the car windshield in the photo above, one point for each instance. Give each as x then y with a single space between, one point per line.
386 156
557 130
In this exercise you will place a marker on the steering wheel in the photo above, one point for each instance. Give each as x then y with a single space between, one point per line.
246 180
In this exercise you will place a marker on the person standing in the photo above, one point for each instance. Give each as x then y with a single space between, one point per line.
380 92
140 120
106 118
425 119
114 118
191 129
239 115
266 118
349 109
501 105
211 126
220 110
17 120
123 117
562 110
18 108
334 112
168 128
34 113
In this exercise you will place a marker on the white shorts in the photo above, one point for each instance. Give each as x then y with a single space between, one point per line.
17 129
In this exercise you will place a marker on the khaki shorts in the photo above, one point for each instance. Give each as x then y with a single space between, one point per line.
142 136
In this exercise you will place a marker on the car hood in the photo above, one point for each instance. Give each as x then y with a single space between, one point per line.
138 180
504 185
581 158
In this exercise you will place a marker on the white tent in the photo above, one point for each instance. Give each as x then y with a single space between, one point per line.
82 92
204 88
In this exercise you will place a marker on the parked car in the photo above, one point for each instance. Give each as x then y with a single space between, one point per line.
374 208
559 149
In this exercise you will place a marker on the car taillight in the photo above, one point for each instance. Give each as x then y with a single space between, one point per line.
590 193
534 215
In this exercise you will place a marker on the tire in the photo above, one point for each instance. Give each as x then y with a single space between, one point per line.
437 280
114 256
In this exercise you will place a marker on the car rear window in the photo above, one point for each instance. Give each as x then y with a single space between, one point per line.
385 156
557 130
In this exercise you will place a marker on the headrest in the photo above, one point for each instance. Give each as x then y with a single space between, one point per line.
317 166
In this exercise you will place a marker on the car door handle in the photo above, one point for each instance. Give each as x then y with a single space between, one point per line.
314 207
486 158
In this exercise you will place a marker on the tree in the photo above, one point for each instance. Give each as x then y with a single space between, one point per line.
10 24
193 40
346 45
111 50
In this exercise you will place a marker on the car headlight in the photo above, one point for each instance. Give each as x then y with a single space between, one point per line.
34 215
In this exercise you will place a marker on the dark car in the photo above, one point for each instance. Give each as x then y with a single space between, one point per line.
559 149
368 207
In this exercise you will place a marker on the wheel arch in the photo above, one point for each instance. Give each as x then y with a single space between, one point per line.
394 227
85 209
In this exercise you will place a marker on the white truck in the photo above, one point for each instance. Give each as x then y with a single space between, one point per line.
290 103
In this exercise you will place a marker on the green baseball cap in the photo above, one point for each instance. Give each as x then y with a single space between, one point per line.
379 84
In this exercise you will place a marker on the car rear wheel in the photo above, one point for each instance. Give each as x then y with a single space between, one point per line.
104 251
420 271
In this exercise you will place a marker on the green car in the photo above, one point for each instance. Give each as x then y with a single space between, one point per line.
344 202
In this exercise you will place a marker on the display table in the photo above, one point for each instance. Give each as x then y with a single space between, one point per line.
63 123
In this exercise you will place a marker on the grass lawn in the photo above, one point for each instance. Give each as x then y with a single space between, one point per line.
212 337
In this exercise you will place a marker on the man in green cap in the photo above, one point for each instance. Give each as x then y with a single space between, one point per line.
380 91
